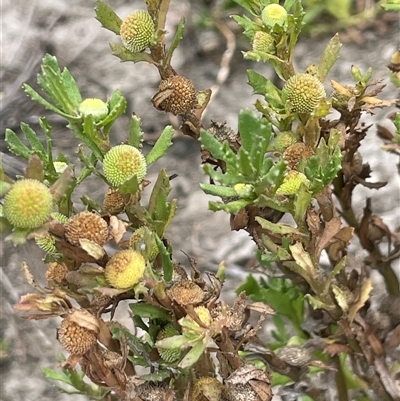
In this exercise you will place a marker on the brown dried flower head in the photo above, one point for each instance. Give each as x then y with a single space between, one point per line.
113 202
295 152
77 338
186 292
176 95
56 272
86 225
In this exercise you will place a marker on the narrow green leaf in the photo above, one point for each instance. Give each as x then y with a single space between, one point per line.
71 88
168 266
328 58
249 27
193 355
258 82
47 105
161 146
33 140
117 106
16 146
145 310
252 6
215 147
135 132
130 186
279 228
176 39
218 190
231 207
107 17
158 198
56 90
124 54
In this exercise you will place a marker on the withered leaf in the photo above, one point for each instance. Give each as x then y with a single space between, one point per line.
117 228
332 227
336 349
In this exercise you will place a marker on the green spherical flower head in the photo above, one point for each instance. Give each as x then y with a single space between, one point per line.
292 182
263 42
95 107
274 14
169 355
122 162
285 139
28 204
304 91
137 31
125 269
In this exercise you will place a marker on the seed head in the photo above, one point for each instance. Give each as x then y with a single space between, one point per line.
295 152
86 225
56 272
125 269
292 182
137 31
186 292
75 338
95 107
122 162
176 95
304 91
28 204
274 14
113 202
285 139
263 42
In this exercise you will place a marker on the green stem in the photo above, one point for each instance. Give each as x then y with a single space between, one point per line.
340 381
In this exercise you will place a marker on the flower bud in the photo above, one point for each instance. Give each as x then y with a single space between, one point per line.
304 92
28 204
86 225
122 162
94 107
274 14
285 139
292 182
137 31
263 42
125 269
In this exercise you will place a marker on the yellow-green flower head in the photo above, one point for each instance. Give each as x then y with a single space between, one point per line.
125 269
292 182
95 107
263 42
274 14
137 31
122 162
28 204
304 91
285 139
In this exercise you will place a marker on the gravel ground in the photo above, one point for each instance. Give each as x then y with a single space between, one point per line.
68 30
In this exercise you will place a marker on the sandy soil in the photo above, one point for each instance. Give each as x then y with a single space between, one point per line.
67 29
